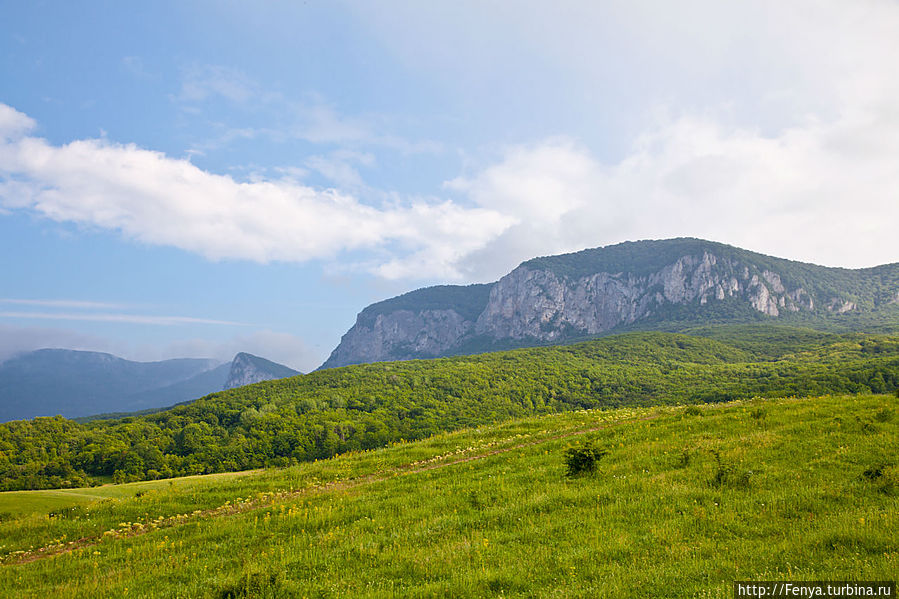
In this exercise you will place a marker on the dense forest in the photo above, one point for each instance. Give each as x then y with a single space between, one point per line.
324 413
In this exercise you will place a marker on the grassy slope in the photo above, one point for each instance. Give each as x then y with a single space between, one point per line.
488 512
44 501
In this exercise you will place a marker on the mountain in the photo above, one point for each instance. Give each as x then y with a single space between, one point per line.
666 284
73 383
196 386
247 369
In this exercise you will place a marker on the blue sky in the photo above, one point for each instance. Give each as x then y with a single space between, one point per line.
202 178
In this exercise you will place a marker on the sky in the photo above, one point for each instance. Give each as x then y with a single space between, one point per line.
198 178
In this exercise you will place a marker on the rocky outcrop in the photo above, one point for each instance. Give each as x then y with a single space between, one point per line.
595 291
402 335
540 305
247 369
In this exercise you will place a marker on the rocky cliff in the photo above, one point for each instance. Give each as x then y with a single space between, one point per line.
551 299
247 369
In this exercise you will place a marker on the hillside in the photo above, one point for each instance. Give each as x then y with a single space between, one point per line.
362 407
685 501
665 285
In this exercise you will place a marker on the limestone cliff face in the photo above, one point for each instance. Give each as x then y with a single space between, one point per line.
402 335
540 305
588 293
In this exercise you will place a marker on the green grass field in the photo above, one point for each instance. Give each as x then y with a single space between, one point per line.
18 503
686 500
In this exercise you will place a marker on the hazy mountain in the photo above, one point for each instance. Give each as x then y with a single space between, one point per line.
645 284
247 369
79 383
74 384
204 383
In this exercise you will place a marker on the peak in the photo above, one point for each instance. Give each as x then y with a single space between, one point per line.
247 369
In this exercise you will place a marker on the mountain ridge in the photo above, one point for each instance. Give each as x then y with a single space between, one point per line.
82 384
626 286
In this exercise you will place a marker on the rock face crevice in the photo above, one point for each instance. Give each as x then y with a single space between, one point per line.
589 293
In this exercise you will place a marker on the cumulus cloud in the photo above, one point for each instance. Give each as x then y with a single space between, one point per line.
764 124
13 123
156 199
823 192
794 152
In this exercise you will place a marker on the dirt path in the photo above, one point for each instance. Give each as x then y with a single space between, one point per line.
274 498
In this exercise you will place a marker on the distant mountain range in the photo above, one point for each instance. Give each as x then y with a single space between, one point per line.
74 384
667 284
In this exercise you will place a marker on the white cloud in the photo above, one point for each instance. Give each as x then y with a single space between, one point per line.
338 167
541 182
778 132
159 200
13 123
823 192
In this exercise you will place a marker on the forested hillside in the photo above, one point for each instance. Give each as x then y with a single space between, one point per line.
360 407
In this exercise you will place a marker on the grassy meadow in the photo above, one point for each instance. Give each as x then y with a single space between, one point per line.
686 500
45 501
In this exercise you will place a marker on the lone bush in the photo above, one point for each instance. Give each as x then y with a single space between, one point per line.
727 474
884 415
583 459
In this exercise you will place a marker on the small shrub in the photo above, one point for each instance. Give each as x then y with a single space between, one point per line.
692 411
885 476
727 474
874 472
683 460
884 415
254 584
583 459
869 428
758 414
